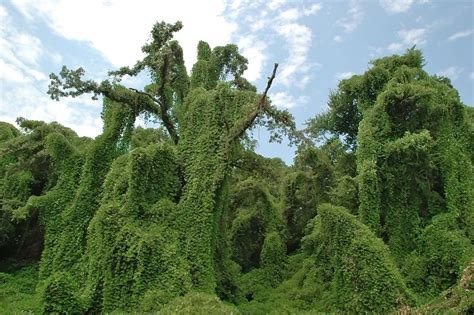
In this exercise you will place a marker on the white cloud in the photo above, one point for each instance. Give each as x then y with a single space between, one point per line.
462 34
252 44
408 39
56 58
413 36
118 29
343 75
258 25
395 46
298 38
396 6
314 8
337 39
293 14
8 72
303 81
32 103
471 76
451 72
275 4
285 101
375 51
27 47
19 52
399 6
254 50
282 100
283 25
355 15
290 14
23 85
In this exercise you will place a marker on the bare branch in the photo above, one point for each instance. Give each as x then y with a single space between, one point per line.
238 131
269 84
70 83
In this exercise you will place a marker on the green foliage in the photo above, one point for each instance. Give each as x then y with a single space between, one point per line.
17 291
7 132
345 193
409 164
58 295
133 245
204 150
254 218
247 164
198 303
154 300
273 258
354 96
142 137
344 268
152 224
458 299
353 265
163 220
299 205
71 242
442 252
68 163
271 271
217 65
143 258
311 182
26 169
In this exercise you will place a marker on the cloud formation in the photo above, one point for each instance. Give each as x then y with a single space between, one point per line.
118 29
354 17
338 39
409 38
277 20
277 31
343 75
461 34
23 85
285 100
452 72
396 6
399 6
254 50
19 53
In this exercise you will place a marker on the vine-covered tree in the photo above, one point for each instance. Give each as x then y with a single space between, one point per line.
413 141
155 226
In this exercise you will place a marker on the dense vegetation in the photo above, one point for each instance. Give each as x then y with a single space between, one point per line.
375 215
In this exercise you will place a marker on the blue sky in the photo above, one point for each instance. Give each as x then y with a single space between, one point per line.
316 43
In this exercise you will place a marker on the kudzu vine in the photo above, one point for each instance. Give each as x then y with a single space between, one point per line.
375 215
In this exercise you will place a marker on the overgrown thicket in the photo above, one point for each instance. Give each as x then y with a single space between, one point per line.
376 214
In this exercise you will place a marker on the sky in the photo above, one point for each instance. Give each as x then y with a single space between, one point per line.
316 43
